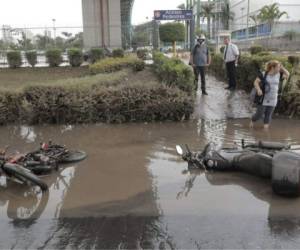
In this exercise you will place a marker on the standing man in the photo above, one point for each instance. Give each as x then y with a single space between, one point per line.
231 57
200 59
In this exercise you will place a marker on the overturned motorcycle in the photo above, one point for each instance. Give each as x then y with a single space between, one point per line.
27 167
272 160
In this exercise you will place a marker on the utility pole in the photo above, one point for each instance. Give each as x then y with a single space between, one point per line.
248 13
54 31
198 14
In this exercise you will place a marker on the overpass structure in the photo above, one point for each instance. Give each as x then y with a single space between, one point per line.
107 23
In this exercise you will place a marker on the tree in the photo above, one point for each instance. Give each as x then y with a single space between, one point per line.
43 42
140 39
255 19
172 33
226 15
181 6
25 43
270 14
66 34
76 41
207 12
2 45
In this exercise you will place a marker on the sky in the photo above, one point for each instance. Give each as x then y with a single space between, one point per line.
39 13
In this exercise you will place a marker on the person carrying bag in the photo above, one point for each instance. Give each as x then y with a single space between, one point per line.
265 92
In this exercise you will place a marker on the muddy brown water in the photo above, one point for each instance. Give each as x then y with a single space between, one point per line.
133 191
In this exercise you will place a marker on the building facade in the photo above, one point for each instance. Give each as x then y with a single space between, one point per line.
244 9
107 23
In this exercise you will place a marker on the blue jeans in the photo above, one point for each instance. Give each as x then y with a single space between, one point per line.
263 112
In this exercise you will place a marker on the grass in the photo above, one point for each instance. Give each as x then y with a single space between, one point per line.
14 79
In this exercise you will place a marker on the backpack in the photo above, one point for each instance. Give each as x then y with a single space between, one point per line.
254 97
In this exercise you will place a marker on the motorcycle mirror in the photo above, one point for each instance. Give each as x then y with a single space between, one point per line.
179 150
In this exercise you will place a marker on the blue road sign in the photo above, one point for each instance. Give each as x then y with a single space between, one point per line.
173 15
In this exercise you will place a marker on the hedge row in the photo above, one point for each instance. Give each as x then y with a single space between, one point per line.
54 56
248 67
116 102
290 101
109 64
173 72
247 72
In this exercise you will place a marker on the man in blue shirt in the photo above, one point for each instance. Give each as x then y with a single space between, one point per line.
200 59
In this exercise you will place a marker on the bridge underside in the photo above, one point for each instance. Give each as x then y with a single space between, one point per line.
107 23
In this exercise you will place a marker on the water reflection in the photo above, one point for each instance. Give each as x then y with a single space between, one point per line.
283 213
22 202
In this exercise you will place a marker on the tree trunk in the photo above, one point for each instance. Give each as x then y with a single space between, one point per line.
208 28
174 48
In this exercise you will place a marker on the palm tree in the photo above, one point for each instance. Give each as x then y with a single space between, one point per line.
226 15
270 14
255 19
207 12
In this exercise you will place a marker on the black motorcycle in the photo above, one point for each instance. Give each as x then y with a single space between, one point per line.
271 160
20 173
48 158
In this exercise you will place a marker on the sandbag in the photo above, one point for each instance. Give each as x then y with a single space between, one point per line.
286 174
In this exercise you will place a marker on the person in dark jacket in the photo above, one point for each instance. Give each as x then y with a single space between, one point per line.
200 59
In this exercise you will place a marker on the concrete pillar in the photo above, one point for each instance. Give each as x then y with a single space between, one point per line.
101 23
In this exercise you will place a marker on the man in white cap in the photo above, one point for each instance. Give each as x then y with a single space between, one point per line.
200 59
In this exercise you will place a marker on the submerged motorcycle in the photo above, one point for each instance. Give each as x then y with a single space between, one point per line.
20 173
46 159
272 160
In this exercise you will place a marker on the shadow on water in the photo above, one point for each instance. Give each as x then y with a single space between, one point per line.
133 191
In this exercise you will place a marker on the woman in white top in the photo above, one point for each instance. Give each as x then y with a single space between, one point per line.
265 110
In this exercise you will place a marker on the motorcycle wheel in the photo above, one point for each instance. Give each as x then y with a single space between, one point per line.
23 174
74 156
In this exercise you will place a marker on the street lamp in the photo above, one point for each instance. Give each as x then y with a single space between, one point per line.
148 31
54 31
242 21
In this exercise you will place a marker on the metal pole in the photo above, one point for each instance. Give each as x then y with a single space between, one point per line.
198 14
192 32
54 31
248 13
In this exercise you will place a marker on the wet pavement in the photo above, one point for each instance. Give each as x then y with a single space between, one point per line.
134 192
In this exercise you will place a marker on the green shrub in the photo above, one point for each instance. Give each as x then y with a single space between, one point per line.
248 68
54 57
88 100
138 65
173 72
75 57
256 49
109 65
294 60
96 54
264 53
31 57
14 59
222 49
118 53
142 54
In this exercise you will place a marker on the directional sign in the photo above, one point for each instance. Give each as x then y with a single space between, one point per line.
173 14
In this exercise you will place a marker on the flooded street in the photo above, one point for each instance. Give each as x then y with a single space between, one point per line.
133 191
